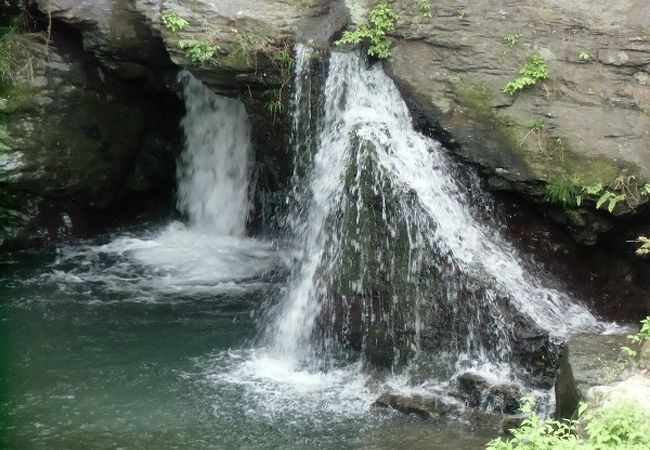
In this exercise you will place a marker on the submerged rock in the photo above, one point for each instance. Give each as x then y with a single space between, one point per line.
423 407
477 392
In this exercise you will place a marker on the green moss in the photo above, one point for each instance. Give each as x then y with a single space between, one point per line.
477 99
545 157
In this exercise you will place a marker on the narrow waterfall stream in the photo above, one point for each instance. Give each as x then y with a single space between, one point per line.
192 334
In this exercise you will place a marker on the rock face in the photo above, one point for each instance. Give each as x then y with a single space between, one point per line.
592 115
252 42
635 388
75 136
594 111
599 106
108 98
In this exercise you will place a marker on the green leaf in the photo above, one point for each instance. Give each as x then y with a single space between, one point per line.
582 408
603 198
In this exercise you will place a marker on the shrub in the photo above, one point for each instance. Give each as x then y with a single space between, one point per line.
199 50
425 8
616 426
534 71
174 23
511 39
382 20
561 192
17 53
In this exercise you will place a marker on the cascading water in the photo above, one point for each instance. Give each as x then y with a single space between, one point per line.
390 236
214 172
209 254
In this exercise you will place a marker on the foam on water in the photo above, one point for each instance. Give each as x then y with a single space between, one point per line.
175 261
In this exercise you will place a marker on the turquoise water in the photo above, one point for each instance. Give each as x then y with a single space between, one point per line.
93 358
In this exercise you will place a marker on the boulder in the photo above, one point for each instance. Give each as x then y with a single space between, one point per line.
594 110
471 387
502 398
633 389
589 360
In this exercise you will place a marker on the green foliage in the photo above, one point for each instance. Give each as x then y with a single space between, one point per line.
174 23
248 45
586 55
537 434
534 71
283 61
18 51
617 426
425 8
643 334
611 199
382 20
462 14
561 192
511 39
199 50
590 190
273 101
623 190
645 190
622 425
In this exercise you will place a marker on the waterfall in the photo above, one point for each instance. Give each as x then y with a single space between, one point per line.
209 254
213 175
389 234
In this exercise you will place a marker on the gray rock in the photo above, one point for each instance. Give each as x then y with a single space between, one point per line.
590 360
502 398
600 110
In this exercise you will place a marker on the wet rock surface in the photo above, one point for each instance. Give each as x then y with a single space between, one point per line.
422 407
471 387
598 106
502 398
